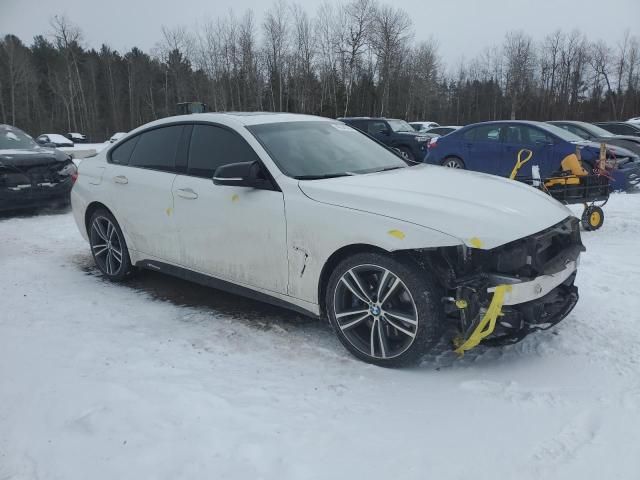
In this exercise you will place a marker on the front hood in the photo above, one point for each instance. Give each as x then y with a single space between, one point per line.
483 211
595 147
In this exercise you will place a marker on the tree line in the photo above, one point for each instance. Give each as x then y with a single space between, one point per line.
350 58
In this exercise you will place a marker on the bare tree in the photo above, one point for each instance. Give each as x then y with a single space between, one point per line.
276 49
391 33
519 61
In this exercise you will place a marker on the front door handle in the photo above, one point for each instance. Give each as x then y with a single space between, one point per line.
121 179
187 193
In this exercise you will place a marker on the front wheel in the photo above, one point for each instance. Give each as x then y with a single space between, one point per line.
384 311
407 154
108 246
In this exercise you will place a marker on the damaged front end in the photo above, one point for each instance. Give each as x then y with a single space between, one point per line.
501 295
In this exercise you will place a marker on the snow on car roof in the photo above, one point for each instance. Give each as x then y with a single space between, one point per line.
57 138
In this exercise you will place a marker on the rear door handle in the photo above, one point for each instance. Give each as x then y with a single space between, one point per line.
187 193
120 179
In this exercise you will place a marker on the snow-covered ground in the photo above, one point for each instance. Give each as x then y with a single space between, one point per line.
162 379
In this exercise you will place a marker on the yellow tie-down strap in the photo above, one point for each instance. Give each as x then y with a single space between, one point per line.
487 324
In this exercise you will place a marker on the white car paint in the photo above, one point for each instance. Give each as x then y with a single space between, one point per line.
278 244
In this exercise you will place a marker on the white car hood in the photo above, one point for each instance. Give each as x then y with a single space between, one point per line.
483 211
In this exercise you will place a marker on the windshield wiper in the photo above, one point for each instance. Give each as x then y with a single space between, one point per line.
386 169
326 175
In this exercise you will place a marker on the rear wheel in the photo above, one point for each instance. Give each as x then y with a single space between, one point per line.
384 311
108 246
453 162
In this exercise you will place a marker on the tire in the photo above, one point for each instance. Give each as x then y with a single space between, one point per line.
592 218
407 154
395 332
108 246
453 162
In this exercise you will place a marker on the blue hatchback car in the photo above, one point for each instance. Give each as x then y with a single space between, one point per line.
492 147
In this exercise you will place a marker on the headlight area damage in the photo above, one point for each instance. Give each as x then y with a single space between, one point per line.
499 296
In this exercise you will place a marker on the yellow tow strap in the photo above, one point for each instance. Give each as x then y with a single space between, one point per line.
521 161
488 323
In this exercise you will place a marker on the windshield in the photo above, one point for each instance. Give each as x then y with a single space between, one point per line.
14 139
400 126
310 150
561 132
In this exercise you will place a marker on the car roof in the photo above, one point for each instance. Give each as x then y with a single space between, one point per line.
235 119
366 118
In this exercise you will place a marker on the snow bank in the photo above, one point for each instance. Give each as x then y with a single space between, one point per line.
163 379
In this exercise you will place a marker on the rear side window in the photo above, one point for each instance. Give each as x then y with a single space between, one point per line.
122 153
623 129
212 147
487 133
156 149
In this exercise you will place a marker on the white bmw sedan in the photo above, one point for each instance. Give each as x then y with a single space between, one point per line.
310 214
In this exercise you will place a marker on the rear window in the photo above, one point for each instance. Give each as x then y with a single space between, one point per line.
156 149
14 139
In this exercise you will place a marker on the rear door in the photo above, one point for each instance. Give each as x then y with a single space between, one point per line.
482 147
142 171
520 136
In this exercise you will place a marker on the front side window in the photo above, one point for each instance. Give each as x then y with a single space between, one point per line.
156 149
212 147
376 127
400 126
310 150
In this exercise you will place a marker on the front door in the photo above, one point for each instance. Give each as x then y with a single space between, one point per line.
236 234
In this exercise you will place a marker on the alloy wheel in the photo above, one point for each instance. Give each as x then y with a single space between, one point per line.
452 163
375 311
106 245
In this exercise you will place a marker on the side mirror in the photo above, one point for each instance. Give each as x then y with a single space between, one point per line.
245 174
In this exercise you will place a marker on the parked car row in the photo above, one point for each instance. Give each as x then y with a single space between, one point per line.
492 147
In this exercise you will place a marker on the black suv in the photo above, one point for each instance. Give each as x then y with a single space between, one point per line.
393 133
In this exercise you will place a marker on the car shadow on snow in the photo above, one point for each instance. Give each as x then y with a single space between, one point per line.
314 333
34 212
183 293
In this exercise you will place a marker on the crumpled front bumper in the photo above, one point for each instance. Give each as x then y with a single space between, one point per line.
528 291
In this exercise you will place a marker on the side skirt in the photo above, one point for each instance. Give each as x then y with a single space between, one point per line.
218 284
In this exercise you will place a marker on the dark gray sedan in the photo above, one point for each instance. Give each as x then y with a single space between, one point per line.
594 133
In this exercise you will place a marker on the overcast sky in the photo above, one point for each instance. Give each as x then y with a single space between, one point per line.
462 28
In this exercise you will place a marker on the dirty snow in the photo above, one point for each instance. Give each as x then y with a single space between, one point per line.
162 379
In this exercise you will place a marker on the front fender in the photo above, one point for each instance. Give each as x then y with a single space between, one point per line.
316 230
